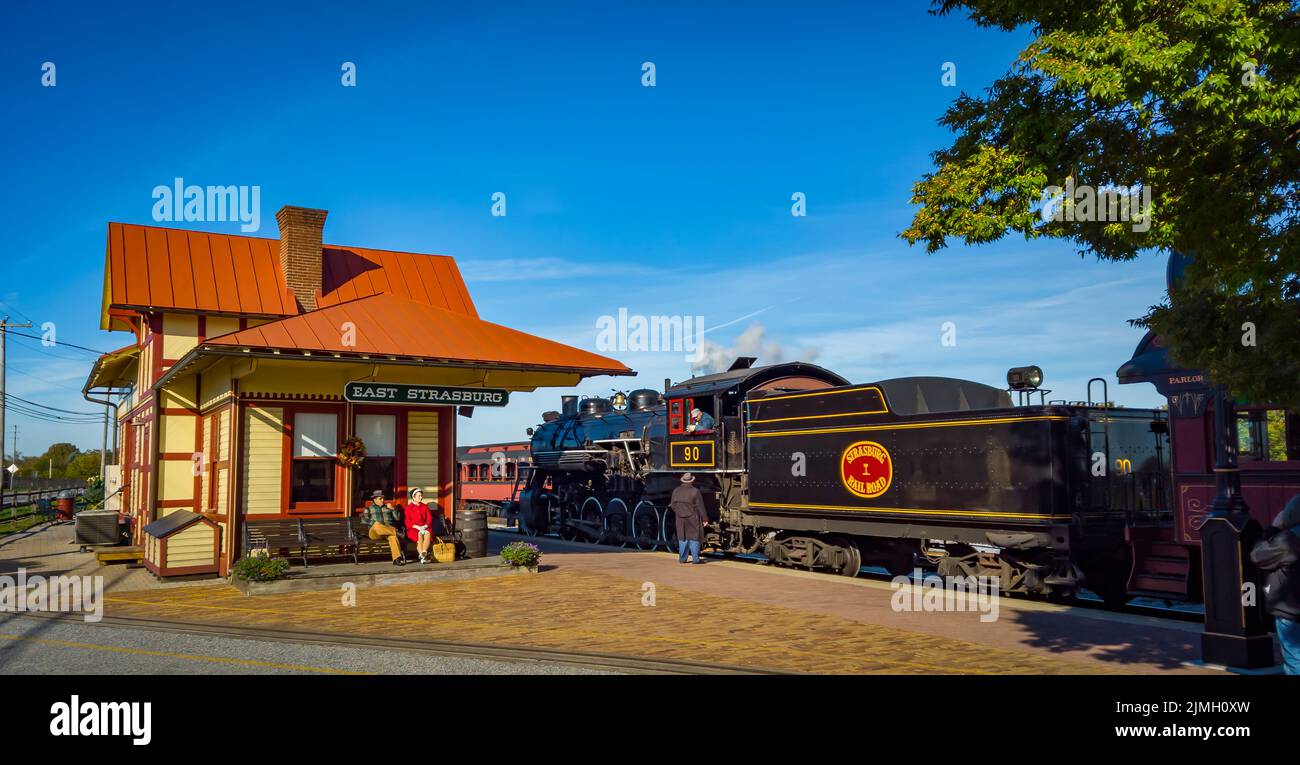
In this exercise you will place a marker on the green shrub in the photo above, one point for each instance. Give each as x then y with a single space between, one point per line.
259 569
521 554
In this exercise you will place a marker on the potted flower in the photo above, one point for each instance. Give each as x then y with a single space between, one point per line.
521 555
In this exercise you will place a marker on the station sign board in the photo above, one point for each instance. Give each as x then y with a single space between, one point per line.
372 392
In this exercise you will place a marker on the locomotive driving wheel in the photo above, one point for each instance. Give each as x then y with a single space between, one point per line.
668 526
645 525
616 522
566 514
593 520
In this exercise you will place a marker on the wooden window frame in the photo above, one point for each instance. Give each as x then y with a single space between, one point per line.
399 446
291 411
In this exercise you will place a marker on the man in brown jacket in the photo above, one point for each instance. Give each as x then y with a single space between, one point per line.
688 507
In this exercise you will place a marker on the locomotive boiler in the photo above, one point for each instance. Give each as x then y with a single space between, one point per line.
814 472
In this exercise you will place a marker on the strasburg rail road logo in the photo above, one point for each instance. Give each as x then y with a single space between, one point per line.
866 469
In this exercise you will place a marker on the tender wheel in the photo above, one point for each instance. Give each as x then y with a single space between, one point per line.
851 556
616 522
668 529
645 525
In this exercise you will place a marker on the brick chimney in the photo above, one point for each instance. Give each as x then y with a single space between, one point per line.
300 251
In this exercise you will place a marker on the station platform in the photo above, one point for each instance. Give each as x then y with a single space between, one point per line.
734 613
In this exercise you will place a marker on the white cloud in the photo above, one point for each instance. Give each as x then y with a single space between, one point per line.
753 341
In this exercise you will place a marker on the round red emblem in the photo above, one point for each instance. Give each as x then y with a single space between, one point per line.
866 469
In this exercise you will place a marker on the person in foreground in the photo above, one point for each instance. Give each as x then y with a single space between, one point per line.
383 521
1277 554
688 508
422 524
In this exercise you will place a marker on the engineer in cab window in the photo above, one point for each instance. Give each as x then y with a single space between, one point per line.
701 422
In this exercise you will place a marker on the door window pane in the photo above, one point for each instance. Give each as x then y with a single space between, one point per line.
379 432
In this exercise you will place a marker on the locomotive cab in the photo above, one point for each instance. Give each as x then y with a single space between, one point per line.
720 449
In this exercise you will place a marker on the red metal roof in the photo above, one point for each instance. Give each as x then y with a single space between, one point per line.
149 267
395 325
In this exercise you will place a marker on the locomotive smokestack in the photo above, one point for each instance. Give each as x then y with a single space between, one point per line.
568 405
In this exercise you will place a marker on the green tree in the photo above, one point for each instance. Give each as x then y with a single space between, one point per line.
62 455
83 466
1196 102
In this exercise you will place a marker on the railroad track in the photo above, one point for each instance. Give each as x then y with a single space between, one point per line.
590 660
1140 609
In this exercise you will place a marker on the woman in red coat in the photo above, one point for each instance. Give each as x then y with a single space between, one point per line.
421 523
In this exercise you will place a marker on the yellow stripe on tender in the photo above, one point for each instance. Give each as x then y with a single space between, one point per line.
915 511
819 416
765 399
906 426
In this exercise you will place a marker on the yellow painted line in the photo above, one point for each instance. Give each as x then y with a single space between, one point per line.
914 511
170 655
907 426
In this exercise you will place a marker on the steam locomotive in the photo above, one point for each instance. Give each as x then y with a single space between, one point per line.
818 473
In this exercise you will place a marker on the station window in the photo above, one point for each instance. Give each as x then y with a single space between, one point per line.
1268 435
378 470
315 443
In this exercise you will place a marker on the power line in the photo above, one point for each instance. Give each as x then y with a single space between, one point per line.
52 417
38 413
51 408
13 368
59 342
11 307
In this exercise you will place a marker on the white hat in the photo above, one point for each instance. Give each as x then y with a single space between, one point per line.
688 478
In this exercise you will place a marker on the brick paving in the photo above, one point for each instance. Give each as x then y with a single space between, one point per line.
727 612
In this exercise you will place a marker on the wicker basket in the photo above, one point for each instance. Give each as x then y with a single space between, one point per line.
444 552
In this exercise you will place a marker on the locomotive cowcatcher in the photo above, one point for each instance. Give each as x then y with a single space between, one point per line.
814 472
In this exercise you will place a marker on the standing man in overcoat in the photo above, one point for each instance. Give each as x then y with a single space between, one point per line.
688 507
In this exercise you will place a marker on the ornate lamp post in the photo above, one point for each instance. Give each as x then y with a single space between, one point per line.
1235 633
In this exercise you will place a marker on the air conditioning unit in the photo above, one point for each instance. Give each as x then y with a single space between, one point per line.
98 528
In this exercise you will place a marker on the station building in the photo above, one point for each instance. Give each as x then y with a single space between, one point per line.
254 361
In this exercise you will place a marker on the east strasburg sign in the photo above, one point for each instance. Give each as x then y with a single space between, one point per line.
395 393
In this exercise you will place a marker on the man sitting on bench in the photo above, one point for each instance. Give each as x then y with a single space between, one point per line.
383 521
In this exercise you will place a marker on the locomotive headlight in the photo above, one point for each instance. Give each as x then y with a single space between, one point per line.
1024 378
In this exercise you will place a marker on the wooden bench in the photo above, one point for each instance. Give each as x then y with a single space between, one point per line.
308 538
276 534
328 538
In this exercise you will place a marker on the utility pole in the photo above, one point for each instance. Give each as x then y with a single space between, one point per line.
4 327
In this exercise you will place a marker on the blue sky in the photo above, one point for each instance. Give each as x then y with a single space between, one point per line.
670 200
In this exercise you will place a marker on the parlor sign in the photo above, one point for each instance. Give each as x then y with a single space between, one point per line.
396 393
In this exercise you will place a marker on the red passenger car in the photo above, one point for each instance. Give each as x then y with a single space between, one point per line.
1268 453
486 474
